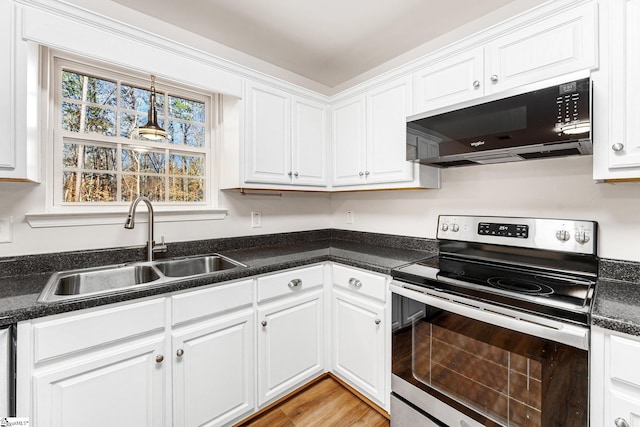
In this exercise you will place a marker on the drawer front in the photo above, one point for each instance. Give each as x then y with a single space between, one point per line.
81 331
290 282
207 302
625 354
360 282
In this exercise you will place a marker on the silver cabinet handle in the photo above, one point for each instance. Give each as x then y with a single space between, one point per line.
476 84
159 358
180 352
295 283
621 422
378 321
617 146
494 78
360 173
366 173
295 174
289 173
264 323
355 283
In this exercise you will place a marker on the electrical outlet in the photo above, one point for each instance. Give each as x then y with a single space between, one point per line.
6 232
350 218
256 219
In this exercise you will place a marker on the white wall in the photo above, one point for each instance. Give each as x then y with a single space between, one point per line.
554 188
291 212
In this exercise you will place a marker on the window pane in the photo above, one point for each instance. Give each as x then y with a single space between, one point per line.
96 187
135 98
186 165
100 120
143 161
70 155
69 189
128 122
71 116
98 158
87 88
145 185
186 190
186 133
186 109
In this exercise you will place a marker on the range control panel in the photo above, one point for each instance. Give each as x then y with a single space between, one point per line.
538 233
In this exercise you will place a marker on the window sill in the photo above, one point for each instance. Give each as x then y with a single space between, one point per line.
72 219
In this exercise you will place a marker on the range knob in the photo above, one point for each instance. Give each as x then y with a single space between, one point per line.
563 235
582 237
455 228
444 226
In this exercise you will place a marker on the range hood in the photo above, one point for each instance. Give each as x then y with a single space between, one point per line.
552 121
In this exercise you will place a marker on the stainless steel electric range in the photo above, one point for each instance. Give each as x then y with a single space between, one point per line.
494 331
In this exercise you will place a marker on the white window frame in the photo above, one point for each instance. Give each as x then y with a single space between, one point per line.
58 213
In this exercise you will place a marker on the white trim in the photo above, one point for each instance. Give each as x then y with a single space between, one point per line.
71 219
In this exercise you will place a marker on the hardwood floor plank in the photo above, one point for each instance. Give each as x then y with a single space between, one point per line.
324 404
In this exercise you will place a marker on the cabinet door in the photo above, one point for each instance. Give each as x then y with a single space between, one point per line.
268 135
560 44
309 143
289 345
449 81
348 142
213 371
124 385
626 407
623 145
387 109
7 88
359 345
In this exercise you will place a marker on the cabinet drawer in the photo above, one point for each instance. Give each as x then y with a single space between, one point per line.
206 302
625 354
76 332
360 282
289 282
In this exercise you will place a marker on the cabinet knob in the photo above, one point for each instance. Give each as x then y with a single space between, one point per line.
295 174
355 283
360 173
289 173
617 146
264 323
180 352
476 84
494 78
378 321
159 358
621 422
295 283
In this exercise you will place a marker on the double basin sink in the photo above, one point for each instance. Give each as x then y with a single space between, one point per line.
74 284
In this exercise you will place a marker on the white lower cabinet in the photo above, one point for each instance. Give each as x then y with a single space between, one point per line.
615 379
361 330
290 331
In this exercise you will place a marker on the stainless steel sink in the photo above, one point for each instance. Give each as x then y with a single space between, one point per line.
81 283
194 266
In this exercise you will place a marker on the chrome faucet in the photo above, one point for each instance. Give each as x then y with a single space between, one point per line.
130 223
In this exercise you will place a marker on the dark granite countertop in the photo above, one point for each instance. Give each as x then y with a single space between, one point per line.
617 300
380 253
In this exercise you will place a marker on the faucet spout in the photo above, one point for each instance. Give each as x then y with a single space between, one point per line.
130 223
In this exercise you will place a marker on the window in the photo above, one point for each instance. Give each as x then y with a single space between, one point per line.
96 162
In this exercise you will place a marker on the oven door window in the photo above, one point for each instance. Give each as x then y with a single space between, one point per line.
488 372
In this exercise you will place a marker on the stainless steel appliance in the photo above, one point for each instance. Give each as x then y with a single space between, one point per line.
549 121
494 331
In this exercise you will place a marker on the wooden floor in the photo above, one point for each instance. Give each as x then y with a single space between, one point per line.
326 403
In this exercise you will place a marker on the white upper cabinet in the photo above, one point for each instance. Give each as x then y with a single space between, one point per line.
557 45
18 99
285 138
369 140
617 89
452 80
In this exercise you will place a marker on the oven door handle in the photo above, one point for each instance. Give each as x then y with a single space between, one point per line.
572 335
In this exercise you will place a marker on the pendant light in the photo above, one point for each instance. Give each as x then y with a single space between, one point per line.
152 129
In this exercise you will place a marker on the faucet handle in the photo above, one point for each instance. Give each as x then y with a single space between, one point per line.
162 247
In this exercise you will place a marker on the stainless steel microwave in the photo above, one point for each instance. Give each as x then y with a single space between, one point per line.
549 122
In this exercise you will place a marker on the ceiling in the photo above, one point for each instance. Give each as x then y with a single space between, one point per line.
328 41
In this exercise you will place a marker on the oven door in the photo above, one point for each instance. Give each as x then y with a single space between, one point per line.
457 361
